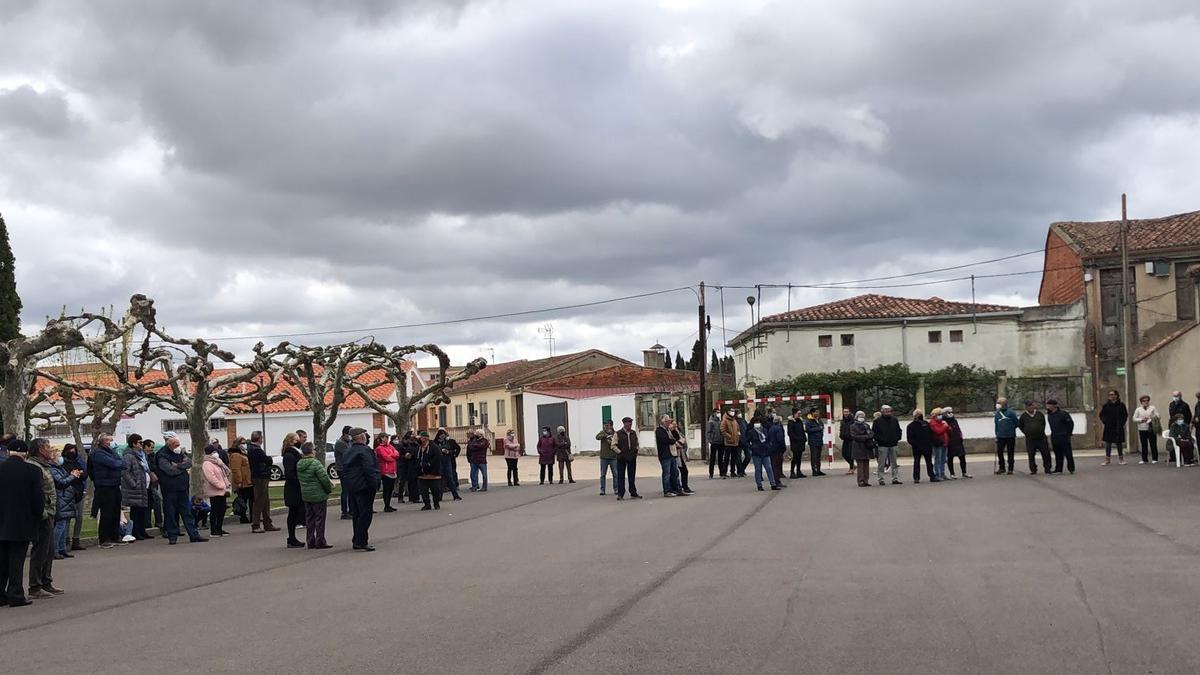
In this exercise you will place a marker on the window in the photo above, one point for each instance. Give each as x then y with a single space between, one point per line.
176 426
824 340
216 424
956 336
847 339
442 414
500 416
1185 293
935 336
458 415
471 414
1160 268
483 416
59 430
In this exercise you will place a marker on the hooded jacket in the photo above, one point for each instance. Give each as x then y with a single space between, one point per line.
66 486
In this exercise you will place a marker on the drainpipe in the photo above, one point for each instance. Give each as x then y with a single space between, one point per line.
904 342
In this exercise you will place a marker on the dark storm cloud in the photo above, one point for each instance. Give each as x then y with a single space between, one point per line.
289 166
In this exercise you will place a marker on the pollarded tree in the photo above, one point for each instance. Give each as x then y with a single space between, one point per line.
320 375
190 385
395 365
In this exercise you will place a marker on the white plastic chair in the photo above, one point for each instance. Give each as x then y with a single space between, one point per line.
1169 445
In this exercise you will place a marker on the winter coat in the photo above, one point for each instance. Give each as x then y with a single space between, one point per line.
815 431
1144 417
941 432
712 431
71 464
216 476
339 449
775 439
386 454
862 441
315 486
239 470
260 462
1180 407
360 473
291 484
22 501
106 467
731 431
665 443
1114 414
135 481
919 436
1061 424
49 491
477 450
760 445
1180 432
66 486
545 449
627 445
955 434
743 429
1033 426
512 448
887 431
429 462
795 432
607 451
562 448
1006 422
172 470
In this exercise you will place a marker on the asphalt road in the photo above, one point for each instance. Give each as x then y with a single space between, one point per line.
1093 573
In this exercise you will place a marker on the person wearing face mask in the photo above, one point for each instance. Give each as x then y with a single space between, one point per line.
1178 406
716 445
744 449
22 505
173 467
1006 423
1062 425
449 450
1149 426
815 431
1181 436
760 452
512 455
862 445
67 481
844 435
920 438
41 554
955 447
71 462
107 468
731 443
1114 415
941 441
545 450
776 436
135 486
886 429
243 485
1033 425
798 440
668 457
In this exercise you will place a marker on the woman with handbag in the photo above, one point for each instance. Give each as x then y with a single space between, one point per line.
562 453
243 486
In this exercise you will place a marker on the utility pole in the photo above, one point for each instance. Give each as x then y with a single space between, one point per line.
1127 336
703 366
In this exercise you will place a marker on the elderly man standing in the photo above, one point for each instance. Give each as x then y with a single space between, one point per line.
1006 423
608 455
361 478
173 467
731 438
626 440
339 449
22 507
886 429
1033 424
260 476
106 470
668 457
41 557
716 444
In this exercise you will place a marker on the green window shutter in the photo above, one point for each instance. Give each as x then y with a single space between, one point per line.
605 413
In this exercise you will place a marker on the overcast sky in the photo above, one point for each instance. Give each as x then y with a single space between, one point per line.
289 166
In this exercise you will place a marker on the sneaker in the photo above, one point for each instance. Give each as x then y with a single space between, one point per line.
999 472
59 556
270 528
668 494
1141 461
602 493
108 545
66 554
77 546
896 482
52 590
635 496
1154 461
967 476
364 549
121 543
1010 472
953 477
774 487
40 594
128 538
761 489
1107 461
1121 462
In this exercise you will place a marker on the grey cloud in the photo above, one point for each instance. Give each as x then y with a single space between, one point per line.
24 109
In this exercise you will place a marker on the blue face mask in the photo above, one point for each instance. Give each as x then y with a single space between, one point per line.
58 461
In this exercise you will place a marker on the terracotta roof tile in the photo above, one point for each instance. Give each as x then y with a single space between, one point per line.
1104 237
645 379
874 306
503 374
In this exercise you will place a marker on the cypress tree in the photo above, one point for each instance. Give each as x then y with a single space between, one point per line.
716 363
10 302
679 364
667 359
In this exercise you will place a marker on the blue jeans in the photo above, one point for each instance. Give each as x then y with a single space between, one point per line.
761 461
476 470
670 475
60 535
345 499
939 461
608 466
450 475
178 505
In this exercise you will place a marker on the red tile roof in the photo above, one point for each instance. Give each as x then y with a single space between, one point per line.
636 377
874 306
518 372
1104 237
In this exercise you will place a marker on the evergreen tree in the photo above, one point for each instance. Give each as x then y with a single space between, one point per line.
696 362
679 364
10 302
667 359
715 364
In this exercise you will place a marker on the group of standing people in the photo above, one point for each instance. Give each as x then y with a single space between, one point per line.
1114 416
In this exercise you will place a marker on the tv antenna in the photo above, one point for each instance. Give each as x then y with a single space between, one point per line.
547 333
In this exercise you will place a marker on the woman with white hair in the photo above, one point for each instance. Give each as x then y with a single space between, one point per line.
941 439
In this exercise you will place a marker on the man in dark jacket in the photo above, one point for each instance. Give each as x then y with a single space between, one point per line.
407 467
106 469
1032 423
920 437
360 478
716 445
1179 407
844 434
744 450
886 429
815 430
776 440
477 452
172 466
22 505
41 555
626 440
668 457
260 476
798 440
1061 427
449 450
339 449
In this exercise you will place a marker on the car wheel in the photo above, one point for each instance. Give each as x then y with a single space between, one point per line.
333 472
276 473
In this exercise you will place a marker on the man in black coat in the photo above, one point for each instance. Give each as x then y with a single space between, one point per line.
797 439
920 437
260 476
22 502
886 429
1061 427
360 478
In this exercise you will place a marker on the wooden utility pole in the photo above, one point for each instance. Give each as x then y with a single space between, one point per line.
703 366
1128 339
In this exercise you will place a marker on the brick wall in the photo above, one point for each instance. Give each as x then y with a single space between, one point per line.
1063 284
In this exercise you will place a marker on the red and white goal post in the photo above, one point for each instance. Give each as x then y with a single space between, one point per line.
827 415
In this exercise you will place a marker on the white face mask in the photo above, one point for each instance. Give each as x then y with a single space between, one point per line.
177 449
757 425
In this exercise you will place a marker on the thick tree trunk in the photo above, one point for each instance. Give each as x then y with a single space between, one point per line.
198 430
18 378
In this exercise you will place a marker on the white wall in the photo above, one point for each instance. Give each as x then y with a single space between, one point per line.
584 418
984 426
281 424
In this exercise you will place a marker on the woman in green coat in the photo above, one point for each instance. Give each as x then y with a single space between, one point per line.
315 488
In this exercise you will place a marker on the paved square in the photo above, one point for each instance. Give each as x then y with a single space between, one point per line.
1091 573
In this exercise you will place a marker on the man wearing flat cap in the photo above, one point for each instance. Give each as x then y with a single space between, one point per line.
360 479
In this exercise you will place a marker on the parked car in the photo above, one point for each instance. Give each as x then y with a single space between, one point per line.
277 467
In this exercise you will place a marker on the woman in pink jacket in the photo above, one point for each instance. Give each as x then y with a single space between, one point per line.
386 454
512 453
216 486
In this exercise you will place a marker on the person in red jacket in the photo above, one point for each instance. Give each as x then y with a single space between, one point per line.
386 455
941 439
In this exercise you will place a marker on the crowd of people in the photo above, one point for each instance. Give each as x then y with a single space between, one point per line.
142 485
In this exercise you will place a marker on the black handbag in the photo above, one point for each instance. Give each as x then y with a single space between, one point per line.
239 506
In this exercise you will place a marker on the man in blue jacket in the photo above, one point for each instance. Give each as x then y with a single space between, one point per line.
172 467
360 478
1006 434
106 479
